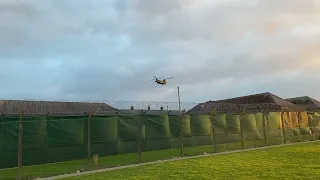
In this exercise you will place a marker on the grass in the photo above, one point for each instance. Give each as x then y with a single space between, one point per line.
46 170
108 161
288 162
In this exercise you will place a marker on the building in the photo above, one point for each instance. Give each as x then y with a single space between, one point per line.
253 103
53 107
308 103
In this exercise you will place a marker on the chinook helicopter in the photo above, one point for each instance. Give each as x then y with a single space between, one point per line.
161 82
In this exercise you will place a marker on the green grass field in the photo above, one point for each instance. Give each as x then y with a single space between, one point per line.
108 161
288 162
46 170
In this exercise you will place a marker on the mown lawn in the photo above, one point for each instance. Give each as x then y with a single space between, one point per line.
108 161
288 162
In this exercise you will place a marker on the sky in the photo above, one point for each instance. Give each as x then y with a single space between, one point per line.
109 50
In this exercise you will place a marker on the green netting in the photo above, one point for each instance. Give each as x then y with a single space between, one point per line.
66 131
66 138
53 139
201 125
304 119
157 131
291 125
287 133
186 126
314 123
128 133
261 134
305 131
105 129
10 130
104 134
34 140
234 124
234 132
253 134
234 129
274 128
175 131
2 162
201 130
293 116
157 127
260 120
220 129
187 134
174 123
34 133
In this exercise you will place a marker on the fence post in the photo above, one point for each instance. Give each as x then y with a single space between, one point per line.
19 176
181 115
227 125
181 125
265 118
139 137
241 130
213 134
313 125
299 135
89 136
283 128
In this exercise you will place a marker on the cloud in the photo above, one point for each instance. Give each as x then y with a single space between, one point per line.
110 50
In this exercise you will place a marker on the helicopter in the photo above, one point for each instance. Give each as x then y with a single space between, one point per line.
161 82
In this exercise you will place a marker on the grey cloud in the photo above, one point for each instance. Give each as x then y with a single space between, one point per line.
150 6
18 7
112 52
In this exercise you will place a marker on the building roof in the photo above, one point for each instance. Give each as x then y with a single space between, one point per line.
52 107
262 98
306 101
255 102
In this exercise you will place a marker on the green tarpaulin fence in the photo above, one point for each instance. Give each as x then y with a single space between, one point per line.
53 139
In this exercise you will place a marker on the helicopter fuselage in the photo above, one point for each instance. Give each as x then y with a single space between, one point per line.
161 82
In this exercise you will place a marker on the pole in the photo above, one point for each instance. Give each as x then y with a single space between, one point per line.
20 144
283 128
181 125
299 133
241 131
139 137
265 118
89 137
213 135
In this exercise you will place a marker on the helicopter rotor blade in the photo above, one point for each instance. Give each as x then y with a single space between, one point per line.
169 78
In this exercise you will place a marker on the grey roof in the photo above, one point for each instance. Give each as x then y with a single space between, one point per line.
306 101
262 98
255 102
52 107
